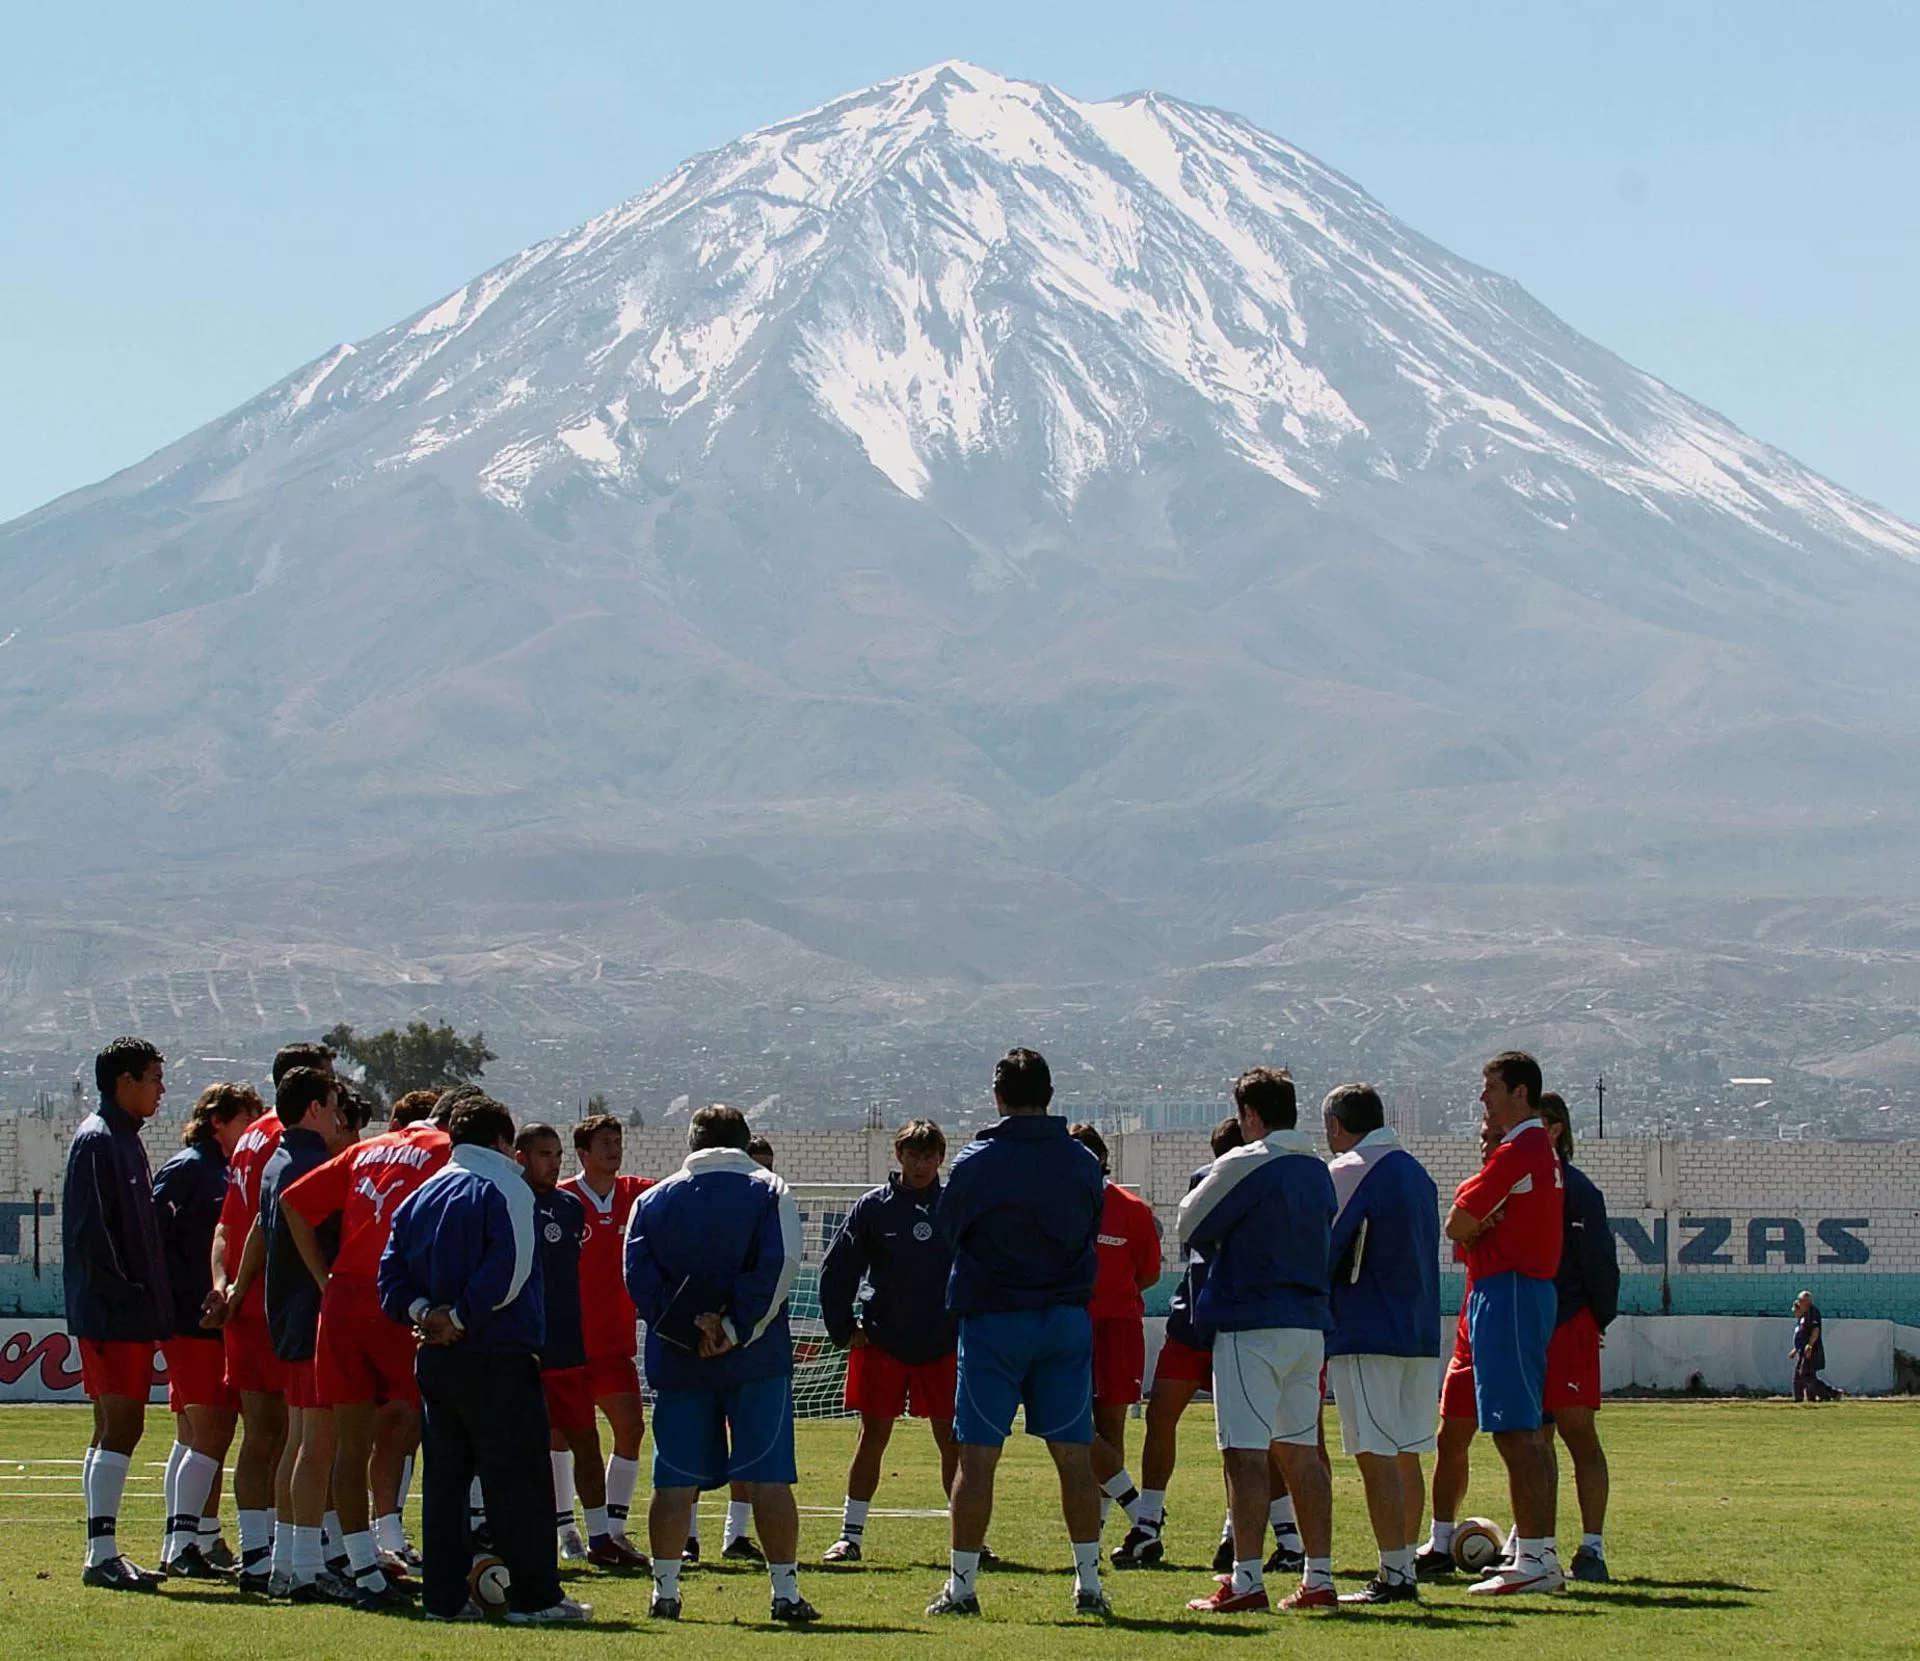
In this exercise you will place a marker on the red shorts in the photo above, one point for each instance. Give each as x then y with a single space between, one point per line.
197 1375
303 1388
1119 1360
884 1388
1181 1363
613 1375
359 1355
1573 1364
251 1363
569 1397
1456 1387
116 1367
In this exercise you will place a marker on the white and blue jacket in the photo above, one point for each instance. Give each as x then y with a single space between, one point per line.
724 1221
464 1239
1385 1252
1263 1217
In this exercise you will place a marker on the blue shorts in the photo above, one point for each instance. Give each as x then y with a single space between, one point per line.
708 1438
1042 1357
1509 1325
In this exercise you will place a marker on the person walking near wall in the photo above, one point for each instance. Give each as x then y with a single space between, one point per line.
1810 1353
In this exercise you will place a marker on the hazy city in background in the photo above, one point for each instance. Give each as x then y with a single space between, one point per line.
970 565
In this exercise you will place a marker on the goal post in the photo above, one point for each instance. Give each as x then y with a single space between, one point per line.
819 1365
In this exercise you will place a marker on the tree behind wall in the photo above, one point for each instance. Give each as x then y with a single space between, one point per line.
421 1058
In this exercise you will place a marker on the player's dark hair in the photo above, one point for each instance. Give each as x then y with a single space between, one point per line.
1227 1136
479 1122
219 1104
1558 1120
299 1089
719 1126
1518 1071
1267 1093
122 1056
414 1106
530 1134
451 1098
1094 1142
1022 1081
919 1136
758 1147
290 1056
1356 1108
589 1128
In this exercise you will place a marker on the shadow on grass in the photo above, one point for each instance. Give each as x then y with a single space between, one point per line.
1687 1585
1425 1620
828 1629
1624 1597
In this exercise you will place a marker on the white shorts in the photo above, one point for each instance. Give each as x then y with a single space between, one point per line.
1266 1386
1388 1403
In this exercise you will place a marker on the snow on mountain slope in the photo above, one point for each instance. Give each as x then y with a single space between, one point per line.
954 265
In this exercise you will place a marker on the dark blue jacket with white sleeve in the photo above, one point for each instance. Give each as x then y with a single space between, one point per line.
889 1241
1385 1253
729 1225
1021 1211
464 1240
1264 1217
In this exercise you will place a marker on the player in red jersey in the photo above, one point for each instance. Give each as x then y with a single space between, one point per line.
611 1327
362 1360
1510 1217
253 1371
1129 1262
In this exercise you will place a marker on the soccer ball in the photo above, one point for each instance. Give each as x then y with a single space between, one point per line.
487 1583
1477 1544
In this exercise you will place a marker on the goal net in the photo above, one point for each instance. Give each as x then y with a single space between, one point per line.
819 1366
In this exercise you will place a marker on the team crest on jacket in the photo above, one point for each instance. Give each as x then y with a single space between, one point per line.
553 1231
923 1230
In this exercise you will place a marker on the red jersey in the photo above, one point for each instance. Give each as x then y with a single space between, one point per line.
1129 1248
365 1184
1521 1190
607 1318
241 1203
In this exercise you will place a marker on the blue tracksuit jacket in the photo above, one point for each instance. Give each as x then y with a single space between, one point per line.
1021 1211
1264 1217
1385 1253
889 1240
115 1266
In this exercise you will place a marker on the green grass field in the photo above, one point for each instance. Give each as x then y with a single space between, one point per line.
1737 1527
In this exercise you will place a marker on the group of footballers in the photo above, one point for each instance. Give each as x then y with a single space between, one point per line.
302 1275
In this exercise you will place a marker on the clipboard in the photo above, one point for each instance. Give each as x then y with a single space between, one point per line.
694 1296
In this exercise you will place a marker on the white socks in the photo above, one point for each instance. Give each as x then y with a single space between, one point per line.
1086 1565
853 1518
1286 1531
666 1577
1396 1567
623 1476
192 1482
786 1580
1248 1576
170 1494
739 1520
1546 1546
1593 1543
1119 1490
406 1483
598 1527
103 1475
1441 1539
1152 1510
389 1533
1319 1572
307 1560
693 1522
962 1567
364 1563
562 1490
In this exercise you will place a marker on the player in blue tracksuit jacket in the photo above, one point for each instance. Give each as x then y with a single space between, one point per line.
1264 1217
1383 1351
1022 1212
462 1268
883 1297
711 1255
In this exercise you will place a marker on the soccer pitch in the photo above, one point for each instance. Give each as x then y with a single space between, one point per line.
1736 1527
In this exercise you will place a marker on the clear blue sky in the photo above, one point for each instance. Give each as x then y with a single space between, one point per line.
195 198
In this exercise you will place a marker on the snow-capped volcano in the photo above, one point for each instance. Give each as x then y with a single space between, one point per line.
954 265
1008 537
